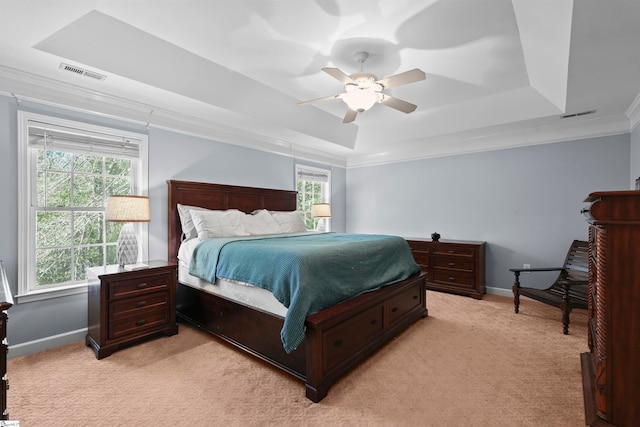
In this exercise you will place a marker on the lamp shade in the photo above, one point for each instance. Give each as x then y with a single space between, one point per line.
321 210
128 209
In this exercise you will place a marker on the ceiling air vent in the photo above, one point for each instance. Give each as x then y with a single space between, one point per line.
82 71
566 116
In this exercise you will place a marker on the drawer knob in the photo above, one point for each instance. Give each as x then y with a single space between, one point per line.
141 322
374 321
415 297
337 343
452 279
451 251
141 303
451 264
141 285
394 309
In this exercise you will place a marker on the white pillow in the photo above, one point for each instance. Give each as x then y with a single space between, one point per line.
184 212
211 224
261 222
290 222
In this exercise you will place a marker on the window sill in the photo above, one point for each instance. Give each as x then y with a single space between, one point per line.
51 293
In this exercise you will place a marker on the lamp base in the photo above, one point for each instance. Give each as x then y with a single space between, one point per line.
127 249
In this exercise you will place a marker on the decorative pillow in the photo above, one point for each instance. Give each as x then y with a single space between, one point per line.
184 212
211 224
261 222
290 222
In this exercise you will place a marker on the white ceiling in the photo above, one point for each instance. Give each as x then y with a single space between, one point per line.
500 73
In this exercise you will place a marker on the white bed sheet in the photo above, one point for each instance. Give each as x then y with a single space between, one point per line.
244 293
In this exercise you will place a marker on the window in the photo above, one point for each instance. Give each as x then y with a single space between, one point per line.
313 185
67 170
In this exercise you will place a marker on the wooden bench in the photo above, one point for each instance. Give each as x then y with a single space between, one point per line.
568 291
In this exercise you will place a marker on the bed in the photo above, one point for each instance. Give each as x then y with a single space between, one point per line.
336 338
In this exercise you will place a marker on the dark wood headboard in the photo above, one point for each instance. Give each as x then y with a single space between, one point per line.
217 196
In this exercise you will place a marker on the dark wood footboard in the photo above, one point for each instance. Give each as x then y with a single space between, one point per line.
337 338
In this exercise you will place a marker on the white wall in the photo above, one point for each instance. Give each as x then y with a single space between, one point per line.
524 202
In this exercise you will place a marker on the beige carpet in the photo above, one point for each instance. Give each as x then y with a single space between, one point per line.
470 363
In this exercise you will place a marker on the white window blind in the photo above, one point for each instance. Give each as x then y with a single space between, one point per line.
48 136
314 175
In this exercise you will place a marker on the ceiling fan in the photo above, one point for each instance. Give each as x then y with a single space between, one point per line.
364 90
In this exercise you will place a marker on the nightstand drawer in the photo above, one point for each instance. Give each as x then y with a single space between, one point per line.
129 306
138 324
131 287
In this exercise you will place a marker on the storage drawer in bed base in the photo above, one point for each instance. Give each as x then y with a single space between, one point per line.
329 349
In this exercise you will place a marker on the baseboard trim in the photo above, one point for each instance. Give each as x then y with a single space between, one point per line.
46 343
499 291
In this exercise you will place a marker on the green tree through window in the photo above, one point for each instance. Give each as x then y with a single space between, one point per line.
71 231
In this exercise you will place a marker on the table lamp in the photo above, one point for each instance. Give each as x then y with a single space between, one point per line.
128 209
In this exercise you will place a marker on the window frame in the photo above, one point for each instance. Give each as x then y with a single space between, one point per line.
326 192
27 184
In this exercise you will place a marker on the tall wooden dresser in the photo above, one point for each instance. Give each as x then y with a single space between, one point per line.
455 266
611 369
6 301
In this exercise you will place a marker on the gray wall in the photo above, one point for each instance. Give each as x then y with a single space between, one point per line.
524 202
171 156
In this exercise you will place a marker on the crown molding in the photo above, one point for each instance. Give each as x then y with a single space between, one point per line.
30 87
499 138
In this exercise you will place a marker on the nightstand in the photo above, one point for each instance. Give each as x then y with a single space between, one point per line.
126 307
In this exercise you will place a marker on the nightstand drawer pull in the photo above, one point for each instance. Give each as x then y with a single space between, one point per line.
394 310
451 264
141 303
141 322
451 251
141 285
452 279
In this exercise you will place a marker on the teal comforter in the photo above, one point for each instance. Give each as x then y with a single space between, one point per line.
306 272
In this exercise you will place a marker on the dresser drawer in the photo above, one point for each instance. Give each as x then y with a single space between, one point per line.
344 338
129 306
131 287
421 258
448 250
455 263
403 303
453 277
144 321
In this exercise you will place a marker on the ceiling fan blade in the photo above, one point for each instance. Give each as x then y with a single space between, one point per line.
339 74
326 98
350 116
398 104
403 78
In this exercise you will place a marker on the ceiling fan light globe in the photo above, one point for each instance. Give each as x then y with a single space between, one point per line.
362 100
